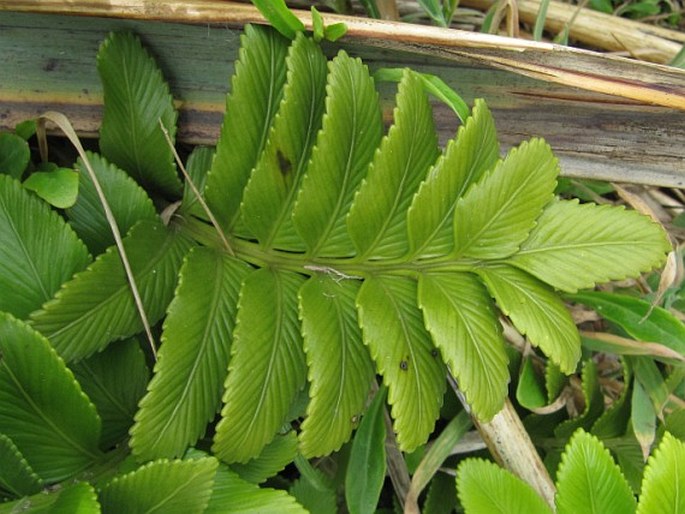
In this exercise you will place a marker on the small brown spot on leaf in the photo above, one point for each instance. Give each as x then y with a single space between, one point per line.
284 164
404 365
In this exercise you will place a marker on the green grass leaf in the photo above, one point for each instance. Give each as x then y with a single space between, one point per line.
267 366
42 408
39 251
232 495
459 315
17 478
589 481
377 220
485 488
185 392
430 216
271 191
128 201
162 486
256 92
643 418
637 317
340 369
401 346
136 98
58 187
664 479
97 306
366 468
351 132
496 214
576 246
14 155
537 312
115 380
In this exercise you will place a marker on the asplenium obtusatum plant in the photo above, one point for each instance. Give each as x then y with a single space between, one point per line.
343 253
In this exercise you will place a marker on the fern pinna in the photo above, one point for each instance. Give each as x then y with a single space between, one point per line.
345 253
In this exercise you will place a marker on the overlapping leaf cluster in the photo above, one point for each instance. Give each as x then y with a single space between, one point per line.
350 253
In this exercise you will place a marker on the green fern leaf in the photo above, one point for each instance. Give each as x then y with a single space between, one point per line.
459 315
78 497
162 486
536 312
589 481
136 98
267 366
495 216
233 495
274 458
485 488
38 252
42 408
185 393
664 479
16 476
576 246
127 200
198 166
270 193
474 151
115 380
256 92
377 219
393 329
340 369
352 130
97 306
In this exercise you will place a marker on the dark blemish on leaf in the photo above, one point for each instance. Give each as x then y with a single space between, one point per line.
50 65
284 164
434 352
404 365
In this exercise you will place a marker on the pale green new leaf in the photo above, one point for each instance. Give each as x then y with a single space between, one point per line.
128 202
42 408
459 314
136 98
485 488
162 486
271 191
58 187
15 155
352 130
340 369
274 458
589 481
394 331
233 495
115 380
256 91
377 221
185 392
38 250
267 366
576 246
496 214
594 403
97 306
537 312
474 151
16 476
664 479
